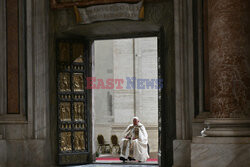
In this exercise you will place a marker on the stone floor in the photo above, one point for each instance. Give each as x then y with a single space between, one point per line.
130 162
115 165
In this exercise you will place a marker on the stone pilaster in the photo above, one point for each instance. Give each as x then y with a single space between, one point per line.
229 68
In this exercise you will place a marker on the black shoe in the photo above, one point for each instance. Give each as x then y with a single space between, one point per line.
131 159
122 159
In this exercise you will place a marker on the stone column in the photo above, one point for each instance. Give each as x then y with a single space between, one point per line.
229 67
228 128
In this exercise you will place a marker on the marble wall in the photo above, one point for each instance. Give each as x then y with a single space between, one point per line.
30 140
182 153
25 137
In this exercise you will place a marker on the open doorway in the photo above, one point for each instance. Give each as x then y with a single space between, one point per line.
124 84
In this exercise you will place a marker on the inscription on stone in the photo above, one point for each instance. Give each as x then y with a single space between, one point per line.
115 11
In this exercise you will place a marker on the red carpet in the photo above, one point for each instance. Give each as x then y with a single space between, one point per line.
117 159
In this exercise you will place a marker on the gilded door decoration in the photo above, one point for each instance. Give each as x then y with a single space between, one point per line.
65 111
78 97
79 111
79 59
64 82
66 126
65 97
72 103
79 126
78 82
66 141
79 141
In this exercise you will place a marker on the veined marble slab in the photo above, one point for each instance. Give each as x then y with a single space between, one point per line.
220 154
182 153
3 153
221 140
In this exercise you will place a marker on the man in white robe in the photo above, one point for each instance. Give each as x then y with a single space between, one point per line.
134 144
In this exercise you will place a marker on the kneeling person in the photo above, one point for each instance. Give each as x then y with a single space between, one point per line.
134 144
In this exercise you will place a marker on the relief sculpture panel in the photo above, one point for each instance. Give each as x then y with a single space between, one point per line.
79 142
65 111
79 111
71 69
64 82
66 141
78 82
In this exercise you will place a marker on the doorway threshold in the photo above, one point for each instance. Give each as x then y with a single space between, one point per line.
111 159
116 165
127 163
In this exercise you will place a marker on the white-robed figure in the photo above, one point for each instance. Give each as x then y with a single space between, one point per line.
134 142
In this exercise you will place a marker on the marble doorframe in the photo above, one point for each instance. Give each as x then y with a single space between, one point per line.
119 128
20 115
25 138
190 115
34 54
161 97
166 120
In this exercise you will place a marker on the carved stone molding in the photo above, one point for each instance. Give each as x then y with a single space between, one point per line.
226 128
59 4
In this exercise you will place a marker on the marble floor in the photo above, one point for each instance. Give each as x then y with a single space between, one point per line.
130 163
115 165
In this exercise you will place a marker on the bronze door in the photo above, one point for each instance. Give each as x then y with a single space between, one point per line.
73 102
